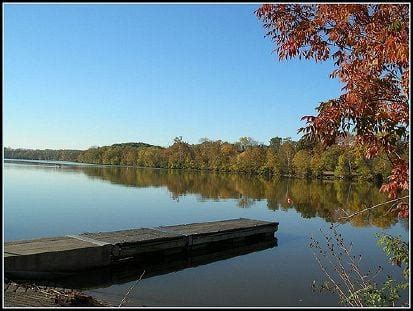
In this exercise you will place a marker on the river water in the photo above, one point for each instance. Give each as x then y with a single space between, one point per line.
43 200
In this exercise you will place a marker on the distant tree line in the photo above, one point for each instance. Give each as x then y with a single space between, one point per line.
46 154
281 157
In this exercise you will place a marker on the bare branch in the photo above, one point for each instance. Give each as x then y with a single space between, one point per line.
372 207
130 289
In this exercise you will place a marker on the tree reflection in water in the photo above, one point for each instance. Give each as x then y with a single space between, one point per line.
310 198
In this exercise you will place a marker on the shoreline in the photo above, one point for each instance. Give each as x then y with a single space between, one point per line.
28 294
57 163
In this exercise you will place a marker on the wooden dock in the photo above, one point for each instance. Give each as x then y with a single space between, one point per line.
73 253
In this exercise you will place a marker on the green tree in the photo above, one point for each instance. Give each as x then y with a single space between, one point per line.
273 162
363 169
275 143
302 163
287 152
342 169
245 142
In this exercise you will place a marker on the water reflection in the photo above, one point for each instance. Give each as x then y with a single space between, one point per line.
313 198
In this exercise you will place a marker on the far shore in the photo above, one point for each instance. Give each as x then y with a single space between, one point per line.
328 176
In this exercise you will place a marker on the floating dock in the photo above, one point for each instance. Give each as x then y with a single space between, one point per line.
74 253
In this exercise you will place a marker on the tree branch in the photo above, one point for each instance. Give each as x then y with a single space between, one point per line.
371 207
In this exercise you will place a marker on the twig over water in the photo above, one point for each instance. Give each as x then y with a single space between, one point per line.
347 217
130 289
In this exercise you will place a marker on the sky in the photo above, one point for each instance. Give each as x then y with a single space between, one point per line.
77 76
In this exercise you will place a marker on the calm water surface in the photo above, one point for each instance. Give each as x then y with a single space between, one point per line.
42 201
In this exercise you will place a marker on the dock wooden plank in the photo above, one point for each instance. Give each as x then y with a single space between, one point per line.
54 254
44 245
216 226
130 236
209 232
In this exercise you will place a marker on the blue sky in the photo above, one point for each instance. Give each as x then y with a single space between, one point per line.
82 75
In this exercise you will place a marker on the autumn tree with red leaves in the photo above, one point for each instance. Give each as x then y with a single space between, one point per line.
370 46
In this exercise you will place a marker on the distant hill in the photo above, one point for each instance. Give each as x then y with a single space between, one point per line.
134 145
